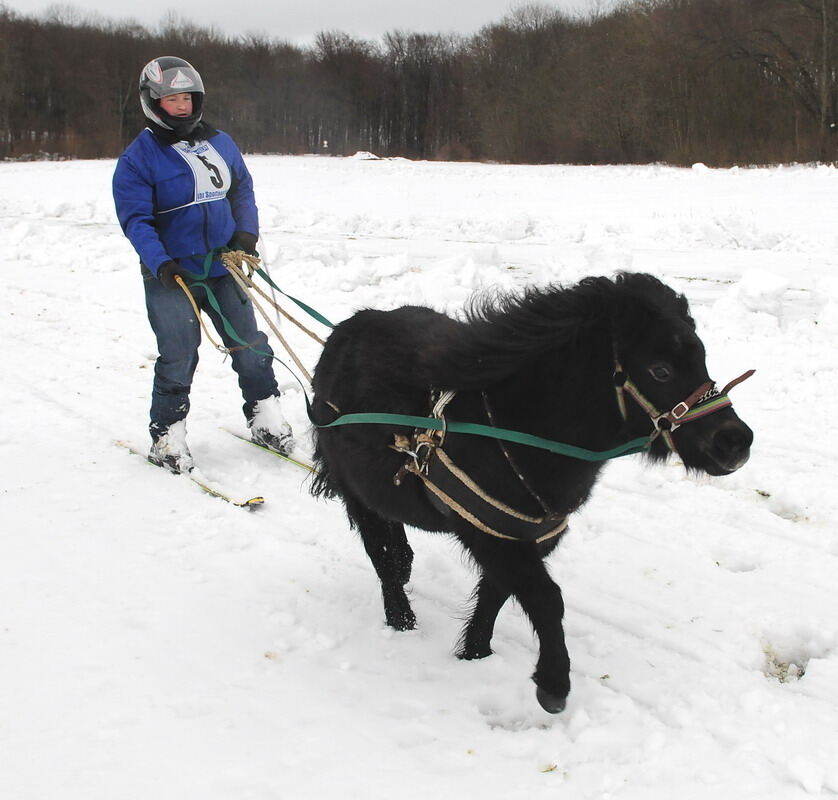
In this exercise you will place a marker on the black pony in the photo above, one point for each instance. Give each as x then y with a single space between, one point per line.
545 364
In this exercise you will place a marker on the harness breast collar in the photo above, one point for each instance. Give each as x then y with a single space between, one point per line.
451 489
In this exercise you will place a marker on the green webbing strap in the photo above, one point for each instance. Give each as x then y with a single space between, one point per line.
213 254
213 300
634 446
307 308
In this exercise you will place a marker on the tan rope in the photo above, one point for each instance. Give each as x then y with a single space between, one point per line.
403 444
230 262
465 478
469 517
239 277
180 282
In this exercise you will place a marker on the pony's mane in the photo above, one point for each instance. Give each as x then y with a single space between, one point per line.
504 331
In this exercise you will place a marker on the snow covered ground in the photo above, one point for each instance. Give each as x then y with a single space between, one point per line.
159 643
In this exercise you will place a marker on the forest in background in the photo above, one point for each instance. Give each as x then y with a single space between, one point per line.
677 81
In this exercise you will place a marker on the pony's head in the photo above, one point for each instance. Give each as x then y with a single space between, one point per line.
662 382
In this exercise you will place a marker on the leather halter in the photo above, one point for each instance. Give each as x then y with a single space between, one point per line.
706 399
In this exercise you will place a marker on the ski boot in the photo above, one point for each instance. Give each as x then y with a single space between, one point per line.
269 428
169 449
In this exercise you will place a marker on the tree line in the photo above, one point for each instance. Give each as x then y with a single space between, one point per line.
676 81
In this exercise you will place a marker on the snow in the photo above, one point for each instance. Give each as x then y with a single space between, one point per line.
156 642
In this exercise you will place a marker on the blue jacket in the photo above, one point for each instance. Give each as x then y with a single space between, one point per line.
177 202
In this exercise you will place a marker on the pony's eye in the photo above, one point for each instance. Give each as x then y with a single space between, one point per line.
660 372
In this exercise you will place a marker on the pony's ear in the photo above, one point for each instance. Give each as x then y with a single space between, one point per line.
684 308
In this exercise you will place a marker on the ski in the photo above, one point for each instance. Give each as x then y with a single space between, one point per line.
300 464
251 503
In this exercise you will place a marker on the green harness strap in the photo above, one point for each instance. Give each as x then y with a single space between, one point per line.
634 446
213 300
375 418
308 309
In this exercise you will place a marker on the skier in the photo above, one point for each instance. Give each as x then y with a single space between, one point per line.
181 189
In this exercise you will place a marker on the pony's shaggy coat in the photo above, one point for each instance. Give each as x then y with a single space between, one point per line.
543 362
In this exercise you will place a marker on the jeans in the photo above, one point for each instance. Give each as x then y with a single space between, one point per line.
178 335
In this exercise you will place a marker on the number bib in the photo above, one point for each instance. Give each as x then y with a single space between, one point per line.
212 175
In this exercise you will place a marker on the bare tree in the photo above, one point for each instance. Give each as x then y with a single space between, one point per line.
720 81
795 44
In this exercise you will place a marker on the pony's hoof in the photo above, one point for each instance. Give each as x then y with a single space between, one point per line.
473 653
402 621
551 703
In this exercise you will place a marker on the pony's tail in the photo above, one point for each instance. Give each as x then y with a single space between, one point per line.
323 484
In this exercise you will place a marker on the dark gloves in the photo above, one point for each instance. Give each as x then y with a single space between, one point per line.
242 240
167 272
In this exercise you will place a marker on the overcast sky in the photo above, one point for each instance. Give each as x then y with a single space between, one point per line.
299 20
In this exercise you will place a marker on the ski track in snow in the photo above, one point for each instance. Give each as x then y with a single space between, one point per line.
155 642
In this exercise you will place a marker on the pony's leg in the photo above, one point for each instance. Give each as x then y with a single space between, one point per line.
400 552
476 639
518 567
392 558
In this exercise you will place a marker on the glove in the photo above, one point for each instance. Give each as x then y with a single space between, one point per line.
167 272
242 240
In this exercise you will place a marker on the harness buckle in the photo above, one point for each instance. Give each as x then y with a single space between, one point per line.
426 444
679 410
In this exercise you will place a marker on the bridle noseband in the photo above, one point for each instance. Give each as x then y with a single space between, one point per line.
706 399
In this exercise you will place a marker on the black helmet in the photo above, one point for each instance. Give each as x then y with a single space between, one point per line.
171 75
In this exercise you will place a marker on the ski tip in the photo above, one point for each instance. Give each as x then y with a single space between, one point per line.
252 504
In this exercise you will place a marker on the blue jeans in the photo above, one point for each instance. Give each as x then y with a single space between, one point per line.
178 335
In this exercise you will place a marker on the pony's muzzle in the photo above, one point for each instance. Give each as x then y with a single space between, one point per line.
730 446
